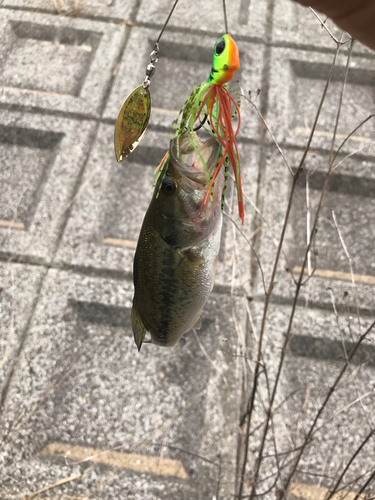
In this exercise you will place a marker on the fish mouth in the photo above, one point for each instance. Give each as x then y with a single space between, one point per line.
189 154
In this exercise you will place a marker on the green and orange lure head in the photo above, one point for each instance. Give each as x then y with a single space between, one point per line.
226 61
210 106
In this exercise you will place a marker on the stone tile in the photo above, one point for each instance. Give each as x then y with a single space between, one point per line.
108 212
245 18
19 288
297 80
56 63
42 161
183 64
350 195
304 383
121 10
81 382
234 264
294 24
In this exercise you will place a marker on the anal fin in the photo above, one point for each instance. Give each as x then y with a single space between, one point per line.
139 329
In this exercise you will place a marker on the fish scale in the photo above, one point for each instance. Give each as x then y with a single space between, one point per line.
173 276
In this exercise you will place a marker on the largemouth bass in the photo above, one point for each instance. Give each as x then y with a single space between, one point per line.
177 251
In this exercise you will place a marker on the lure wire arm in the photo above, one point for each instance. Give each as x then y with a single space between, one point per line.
167 21
154 56
225 17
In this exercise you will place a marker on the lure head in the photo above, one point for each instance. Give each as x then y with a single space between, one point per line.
226 61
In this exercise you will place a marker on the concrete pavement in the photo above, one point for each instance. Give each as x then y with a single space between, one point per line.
83 414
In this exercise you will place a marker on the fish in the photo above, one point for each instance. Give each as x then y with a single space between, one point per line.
178 246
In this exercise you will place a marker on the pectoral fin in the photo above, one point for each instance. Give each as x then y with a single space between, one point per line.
182 342
198 323
139 329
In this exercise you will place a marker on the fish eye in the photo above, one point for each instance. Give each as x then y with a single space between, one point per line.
220 46
168 186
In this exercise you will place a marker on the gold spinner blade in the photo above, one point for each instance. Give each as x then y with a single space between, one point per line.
132 122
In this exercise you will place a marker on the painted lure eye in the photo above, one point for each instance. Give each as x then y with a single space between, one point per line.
220 46
168 187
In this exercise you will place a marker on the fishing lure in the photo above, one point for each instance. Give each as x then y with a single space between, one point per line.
134 114
213 100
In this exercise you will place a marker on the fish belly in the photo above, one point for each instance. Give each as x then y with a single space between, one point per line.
172 284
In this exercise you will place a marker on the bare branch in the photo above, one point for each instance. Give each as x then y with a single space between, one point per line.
352 458
323 24
267 127
252 248
268 296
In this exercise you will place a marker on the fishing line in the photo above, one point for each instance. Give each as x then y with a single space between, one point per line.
167 21
225 17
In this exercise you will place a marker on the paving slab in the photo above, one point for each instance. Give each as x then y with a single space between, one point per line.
183 64
233 271
81 386
245 18
297 81
42 159
315 356
107 214
56 63
298 26
19 288
349 195
119 10
168 417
